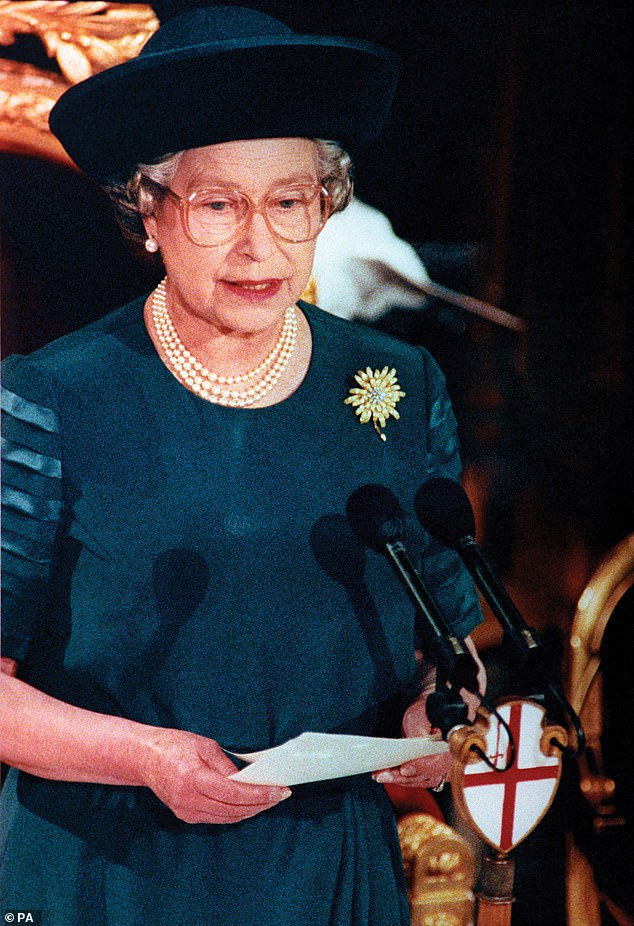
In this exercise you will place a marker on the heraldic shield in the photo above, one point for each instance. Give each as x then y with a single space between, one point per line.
503 806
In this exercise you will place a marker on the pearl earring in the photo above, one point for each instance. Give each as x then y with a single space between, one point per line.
151 245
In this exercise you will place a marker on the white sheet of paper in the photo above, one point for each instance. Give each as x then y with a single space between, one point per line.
320 756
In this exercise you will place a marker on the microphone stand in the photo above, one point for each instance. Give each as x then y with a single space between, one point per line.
445 512
524 641
495 893
447 711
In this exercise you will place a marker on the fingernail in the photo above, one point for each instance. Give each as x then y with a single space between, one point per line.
408 771
383 778
281 795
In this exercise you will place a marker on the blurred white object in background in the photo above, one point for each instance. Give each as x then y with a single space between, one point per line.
362 269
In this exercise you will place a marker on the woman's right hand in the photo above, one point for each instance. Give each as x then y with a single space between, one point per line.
190 774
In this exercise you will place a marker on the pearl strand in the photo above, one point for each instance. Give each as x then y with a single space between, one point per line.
191 372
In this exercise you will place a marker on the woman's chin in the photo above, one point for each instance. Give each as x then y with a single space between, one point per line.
249 317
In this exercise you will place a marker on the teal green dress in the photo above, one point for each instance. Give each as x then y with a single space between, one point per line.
190 566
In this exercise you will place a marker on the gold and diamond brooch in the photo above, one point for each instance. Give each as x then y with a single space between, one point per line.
376 396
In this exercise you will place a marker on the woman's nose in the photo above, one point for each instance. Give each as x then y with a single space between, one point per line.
256 238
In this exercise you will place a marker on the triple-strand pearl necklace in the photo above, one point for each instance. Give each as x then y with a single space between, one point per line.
238 391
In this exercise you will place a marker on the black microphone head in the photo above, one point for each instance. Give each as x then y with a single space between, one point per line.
444 510
376 516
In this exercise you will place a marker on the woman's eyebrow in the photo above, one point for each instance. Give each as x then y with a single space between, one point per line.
202 182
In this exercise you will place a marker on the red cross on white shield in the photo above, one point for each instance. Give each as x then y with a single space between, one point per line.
504 807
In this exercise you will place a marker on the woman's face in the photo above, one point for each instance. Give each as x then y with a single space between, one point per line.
246 284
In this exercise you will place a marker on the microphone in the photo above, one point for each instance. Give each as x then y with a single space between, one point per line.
444 510
378 521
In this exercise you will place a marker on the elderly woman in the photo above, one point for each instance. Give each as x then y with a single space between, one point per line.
181 581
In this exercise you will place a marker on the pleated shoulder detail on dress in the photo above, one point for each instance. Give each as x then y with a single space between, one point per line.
31 504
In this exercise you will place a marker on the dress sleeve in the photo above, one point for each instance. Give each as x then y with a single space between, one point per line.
442 569
31 499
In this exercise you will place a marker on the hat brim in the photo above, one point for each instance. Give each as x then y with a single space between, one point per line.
287 86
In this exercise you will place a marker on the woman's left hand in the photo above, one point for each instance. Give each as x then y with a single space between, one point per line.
427 772
430 771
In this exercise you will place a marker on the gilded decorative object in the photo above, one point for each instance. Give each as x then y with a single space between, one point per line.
84 38
27 95
310 293
613 576
375 397
439 870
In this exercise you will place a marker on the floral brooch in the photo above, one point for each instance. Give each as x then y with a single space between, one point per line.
376 396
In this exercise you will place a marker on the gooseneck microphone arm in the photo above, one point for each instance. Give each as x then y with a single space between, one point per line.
526 644
440 644
455 666
377 519
444 510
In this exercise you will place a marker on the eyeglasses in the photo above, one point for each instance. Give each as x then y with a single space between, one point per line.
216 216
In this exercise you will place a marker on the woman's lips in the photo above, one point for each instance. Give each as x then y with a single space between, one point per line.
255 289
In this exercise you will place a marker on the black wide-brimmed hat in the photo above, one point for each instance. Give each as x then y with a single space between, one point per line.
220 74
